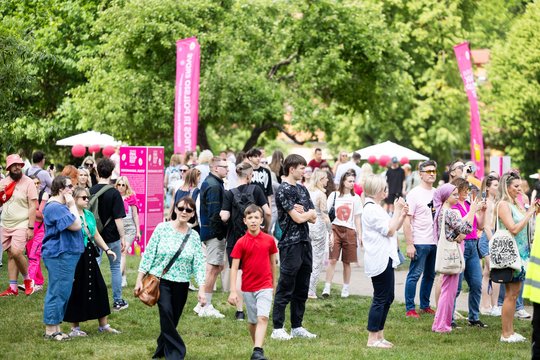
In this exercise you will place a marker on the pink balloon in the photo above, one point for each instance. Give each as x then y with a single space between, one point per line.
404 160
384 160
372 159
94 148
78 150
108 150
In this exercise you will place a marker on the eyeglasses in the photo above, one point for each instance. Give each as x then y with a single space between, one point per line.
187 210
121 185
429 172
84 197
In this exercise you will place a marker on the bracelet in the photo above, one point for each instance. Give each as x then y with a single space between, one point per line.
106 251
31 228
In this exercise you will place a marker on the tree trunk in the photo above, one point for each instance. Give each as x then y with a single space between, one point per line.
202 138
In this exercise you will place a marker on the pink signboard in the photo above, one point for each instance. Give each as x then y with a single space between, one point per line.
186 100
143 166
463 56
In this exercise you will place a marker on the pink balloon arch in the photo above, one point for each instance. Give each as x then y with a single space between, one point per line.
108 150
78 151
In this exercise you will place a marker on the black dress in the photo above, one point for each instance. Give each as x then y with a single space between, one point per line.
89 299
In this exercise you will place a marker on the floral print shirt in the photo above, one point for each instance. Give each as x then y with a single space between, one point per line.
162 246
454 224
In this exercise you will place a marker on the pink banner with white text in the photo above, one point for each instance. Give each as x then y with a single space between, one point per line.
463 56
186 101
143 166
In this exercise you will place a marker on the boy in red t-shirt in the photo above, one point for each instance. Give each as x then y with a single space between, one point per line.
257 253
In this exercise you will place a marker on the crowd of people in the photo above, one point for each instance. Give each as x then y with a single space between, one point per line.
238 216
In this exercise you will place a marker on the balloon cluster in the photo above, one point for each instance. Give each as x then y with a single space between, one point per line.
384 160
80 150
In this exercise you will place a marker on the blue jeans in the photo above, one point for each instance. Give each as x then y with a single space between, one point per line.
473 276
61 272
423 262
116 274
519 301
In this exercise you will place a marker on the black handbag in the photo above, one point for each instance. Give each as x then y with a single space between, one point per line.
502 276
332 211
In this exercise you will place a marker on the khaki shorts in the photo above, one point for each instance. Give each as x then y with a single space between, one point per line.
15 238
215 251
344 243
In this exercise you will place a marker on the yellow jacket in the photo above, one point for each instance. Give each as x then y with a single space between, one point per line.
531 290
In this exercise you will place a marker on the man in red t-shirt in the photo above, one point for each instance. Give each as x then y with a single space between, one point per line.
317 159
257 252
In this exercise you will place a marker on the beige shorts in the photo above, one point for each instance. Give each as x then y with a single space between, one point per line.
15 238
215 251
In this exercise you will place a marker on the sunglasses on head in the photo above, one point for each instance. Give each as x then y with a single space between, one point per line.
186 209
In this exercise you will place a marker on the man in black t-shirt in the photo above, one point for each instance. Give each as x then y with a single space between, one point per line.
261 175
395 178
295 210
111 206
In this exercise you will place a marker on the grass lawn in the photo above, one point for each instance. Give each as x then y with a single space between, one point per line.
339 323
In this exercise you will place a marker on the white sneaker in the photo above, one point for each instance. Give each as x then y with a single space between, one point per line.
514 338
344 293
197 308
210 311
302 333
280 334
326 292
312 295
38 288
522 314
496 311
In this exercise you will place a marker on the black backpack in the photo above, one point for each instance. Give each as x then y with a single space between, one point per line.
241 200
93 206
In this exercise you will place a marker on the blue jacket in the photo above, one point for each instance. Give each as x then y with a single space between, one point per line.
211 194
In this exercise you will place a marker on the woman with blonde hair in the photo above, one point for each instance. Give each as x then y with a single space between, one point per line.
89 163
132 229
84 179
318 232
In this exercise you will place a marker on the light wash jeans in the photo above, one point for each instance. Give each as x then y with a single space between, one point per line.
116 273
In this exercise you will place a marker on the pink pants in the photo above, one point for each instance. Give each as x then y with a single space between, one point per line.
445 307
33 250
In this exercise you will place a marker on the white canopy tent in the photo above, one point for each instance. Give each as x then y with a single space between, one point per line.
390 149
89 138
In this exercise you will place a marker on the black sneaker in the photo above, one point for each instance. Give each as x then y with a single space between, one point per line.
120 305
477 323
455 326
258 355
240 316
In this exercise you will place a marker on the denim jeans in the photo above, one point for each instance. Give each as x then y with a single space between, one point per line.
61 271
116 274
519 301
473 276
423 262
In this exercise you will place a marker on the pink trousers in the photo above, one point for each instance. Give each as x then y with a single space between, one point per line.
445 306
33 250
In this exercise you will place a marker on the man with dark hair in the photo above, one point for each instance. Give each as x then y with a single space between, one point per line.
111 212
455 170
37 170
317 159
395 178
295 209
352 164
262 177
211 199
421 245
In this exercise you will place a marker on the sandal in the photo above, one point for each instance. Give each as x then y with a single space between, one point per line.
57 336
77 332
108 329
379 344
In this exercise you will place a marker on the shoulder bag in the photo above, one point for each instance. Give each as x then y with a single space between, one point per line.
449 259
149 294
503 249
332 211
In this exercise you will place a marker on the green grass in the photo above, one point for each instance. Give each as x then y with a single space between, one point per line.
339 323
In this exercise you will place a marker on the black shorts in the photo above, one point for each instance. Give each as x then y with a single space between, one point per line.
392 197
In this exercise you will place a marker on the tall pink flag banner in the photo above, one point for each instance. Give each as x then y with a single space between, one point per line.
143 166
463 55
186 101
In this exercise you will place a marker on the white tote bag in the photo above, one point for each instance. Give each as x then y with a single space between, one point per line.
503 249
449 260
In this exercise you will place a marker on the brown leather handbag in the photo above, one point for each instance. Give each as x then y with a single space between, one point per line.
149 293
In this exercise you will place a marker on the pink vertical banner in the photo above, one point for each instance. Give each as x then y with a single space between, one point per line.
186 101
463 56
143 166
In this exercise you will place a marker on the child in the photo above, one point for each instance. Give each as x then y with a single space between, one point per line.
257 253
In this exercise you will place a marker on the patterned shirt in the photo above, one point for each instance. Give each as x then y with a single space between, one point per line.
162 246
454 224
286 197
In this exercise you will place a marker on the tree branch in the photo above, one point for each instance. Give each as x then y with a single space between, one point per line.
259 130
276 67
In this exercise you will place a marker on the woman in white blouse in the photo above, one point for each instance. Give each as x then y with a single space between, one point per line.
381 254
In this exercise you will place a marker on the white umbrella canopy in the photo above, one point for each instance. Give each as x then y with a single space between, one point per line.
89 138
391 149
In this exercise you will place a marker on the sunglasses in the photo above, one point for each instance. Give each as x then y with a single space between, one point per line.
183 170
123 185
70 186
429 172
84 197
88 164
186 209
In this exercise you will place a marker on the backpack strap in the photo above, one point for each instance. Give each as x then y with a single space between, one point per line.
102 191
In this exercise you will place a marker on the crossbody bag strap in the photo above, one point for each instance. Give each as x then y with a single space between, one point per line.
177 254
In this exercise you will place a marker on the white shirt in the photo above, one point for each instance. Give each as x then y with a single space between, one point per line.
378 246
347 208
342 169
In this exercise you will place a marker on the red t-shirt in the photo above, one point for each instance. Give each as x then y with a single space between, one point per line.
315 164
254 253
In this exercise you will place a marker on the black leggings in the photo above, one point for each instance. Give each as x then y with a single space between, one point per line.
383 296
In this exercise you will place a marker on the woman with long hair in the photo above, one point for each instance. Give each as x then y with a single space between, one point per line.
490 290
512 216
189 188
455 228
132 228
89 163
84 180
318 232
89 299
164 243
62 248
346 231
72 172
